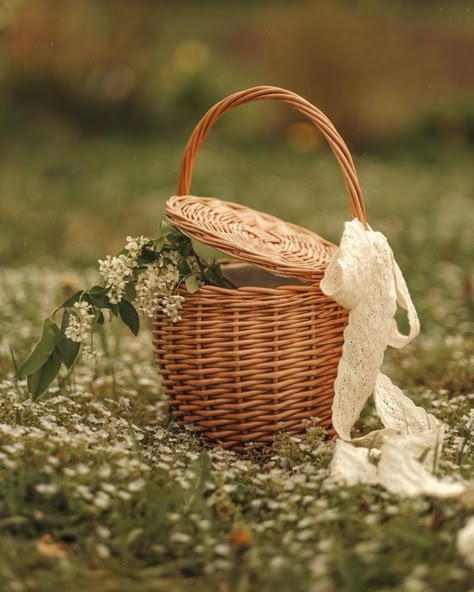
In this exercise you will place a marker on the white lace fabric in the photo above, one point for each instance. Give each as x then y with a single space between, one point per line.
364 278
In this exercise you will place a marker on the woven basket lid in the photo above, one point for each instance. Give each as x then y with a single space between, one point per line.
251 236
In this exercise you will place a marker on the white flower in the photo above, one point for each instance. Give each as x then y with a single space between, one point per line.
116 272
102 551
91 354
134 246
103 532
156 287
79 327
102 500
46 488
171 306
465 542
136 485
180 537
222 549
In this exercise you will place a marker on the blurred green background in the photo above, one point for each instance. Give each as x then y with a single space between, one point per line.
98 98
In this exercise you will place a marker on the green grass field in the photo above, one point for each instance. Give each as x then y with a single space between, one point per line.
100 490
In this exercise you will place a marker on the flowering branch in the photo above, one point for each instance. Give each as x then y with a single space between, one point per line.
144 277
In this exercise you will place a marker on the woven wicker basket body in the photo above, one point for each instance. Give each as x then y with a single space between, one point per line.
244 364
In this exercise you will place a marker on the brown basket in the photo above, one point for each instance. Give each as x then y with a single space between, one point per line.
244 364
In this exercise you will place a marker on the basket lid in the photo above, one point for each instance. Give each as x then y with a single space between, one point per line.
251 236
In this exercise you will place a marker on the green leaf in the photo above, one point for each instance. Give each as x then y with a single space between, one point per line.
100 301
205 252
44 376
100 318
158 243
214 276
167 228
146 257
130 292
129 316
71 301
67 349
183 267
98 297
192 283
42 350
99 290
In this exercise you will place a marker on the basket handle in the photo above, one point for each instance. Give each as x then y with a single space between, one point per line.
324 125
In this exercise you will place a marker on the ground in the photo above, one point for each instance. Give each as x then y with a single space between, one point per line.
100 489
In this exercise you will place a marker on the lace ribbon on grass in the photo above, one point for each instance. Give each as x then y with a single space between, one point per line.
364 278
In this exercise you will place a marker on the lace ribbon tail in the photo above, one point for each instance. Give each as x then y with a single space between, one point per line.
395 338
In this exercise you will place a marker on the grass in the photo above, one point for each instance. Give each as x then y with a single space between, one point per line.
99 488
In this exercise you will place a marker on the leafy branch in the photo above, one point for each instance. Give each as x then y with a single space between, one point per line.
173 255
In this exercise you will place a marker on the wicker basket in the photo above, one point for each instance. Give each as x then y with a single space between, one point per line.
245 364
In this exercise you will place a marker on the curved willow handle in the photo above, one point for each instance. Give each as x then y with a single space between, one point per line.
324 125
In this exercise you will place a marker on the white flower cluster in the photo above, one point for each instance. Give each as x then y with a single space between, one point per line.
157 285
91 354
79 326
171 306
135 246
117 271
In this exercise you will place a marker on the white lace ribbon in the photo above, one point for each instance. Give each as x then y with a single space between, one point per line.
364 278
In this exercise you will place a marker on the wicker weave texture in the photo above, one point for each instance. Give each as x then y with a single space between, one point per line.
245 364
251 236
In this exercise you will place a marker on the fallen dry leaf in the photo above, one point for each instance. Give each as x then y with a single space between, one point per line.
48 547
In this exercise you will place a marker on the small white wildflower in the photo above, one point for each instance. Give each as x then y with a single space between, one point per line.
46 488
325 545
222 549
102 551
412 584
91 353
180 537
136 485
82 469
102 500
278 562
9 448
465 542
9 463
103 532
109 487
84 492
305 535
305 522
